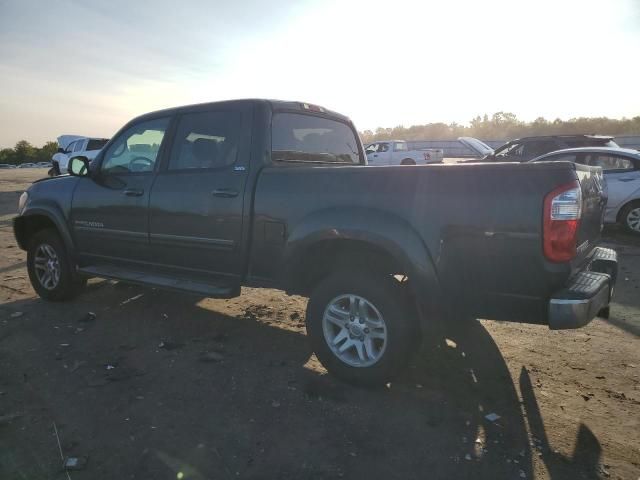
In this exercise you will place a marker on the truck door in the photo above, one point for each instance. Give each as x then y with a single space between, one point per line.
197 201
109 212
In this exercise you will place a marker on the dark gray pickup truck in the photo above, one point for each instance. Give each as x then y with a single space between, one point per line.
209 198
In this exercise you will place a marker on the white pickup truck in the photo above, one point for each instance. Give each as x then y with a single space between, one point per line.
73 146
396 152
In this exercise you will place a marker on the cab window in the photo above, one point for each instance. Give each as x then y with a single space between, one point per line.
609 163
400 147
136 149
299 138
206 140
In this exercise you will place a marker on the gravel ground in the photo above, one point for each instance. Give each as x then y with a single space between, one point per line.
162 385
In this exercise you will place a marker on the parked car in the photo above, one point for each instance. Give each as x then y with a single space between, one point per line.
74 145
208 198
621 167
43 164
26 165
6 165
396 152
527 148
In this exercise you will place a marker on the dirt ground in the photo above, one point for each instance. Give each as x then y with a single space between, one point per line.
167 386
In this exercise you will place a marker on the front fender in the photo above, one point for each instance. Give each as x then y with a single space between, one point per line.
380 229
53 213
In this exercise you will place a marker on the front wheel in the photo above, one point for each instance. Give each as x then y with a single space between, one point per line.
49 267
361 327
408 161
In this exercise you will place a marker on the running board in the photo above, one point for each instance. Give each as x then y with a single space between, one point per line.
161 281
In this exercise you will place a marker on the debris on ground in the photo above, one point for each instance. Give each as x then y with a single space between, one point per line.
75 463
492 417
132 299
89 317
467 457
16 314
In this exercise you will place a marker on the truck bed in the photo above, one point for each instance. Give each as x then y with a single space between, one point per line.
476 228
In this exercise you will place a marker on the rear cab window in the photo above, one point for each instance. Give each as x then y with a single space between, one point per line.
302 138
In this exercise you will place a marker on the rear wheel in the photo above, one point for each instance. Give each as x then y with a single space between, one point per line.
408 161
630 217
361 327
49 268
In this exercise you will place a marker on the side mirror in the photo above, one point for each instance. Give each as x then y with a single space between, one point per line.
78 166
61 150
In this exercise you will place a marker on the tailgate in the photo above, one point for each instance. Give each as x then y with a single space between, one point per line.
594 199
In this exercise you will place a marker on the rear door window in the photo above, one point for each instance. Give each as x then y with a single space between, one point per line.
609 163
302 138
206 140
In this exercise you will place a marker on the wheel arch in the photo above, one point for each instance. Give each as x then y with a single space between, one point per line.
36 219
371 238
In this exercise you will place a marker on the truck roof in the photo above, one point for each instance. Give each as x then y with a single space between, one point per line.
279 105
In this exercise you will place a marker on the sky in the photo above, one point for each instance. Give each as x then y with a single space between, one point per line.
87 67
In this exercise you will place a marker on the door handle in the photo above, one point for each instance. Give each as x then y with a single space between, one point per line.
133 192
224 193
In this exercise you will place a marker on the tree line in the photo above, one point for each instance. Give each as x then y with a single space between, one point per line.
24 152
506 126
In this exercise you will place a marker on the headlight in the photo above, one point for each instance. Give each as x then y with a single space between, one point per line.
22 202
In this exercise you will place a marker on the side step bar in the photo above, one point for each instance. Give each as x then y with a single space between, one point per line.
161 281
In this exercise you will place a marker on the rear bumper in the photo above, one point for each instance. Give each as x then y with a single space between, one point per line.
586 294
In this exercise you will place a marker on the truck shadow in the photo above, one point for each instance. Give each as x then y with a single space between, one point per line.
135 390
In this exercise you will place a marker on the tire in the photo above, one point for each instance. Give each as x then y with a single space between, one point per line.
630 217
408 161
382 298
47 255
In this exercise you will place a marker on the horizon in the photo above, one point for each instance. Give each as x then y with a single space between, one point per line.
424 63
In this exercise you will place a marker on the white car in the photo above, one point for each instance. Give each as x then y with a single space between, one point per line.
621 169
396 152
73 146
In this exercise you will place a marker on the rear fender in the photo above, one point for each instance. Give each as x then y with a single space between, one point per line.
387 232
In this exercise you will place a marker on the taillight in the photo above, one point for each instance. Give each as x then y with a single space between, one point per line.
562 211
